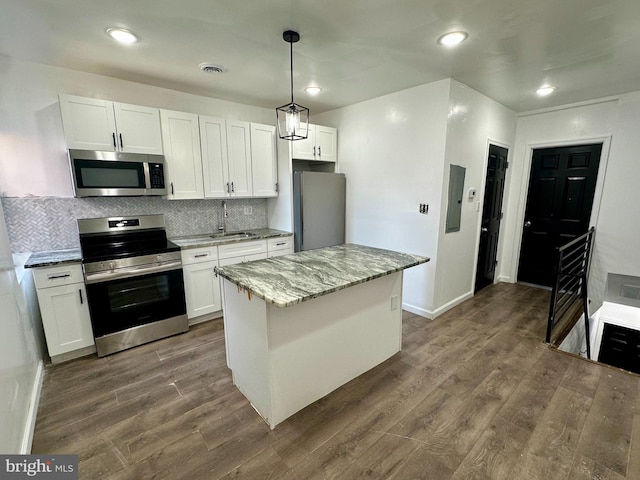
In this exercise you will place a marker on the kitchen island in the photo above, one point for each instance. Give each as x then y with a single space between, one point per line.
302 325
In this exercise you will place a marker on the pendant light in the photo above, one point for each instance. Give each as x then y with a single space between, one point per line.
293 119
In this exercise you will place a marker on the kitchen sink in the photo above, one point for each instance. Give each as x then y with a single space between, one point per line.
232 235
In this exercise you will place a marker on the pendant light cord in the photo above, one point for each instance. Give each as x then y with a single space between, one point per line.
291 56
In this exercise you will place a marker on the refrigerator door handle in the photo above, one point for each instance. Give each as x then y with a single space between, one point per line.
301 214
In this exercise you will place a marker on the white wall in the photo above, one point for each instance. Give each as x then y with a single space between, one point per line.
617 239
474 121
32 148
20 358
616 122
396 151
391 149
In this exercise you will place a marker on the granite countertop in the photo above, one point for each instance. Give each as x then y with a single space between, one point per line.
292 279
197 241
53 257
74 255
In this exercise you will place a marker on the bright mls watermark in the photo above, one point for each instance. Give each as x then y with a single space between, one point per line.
51 467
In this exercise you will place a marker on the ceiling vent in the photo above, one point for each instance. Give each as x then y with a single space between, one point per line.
212 68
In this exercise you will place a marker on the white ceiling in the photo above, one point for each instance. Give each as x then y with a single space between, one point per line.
354 49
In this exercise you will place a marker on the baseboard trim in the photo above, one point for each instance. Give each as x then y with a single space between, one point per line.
205 318
505 279
421 312
432 314
453 303
30 425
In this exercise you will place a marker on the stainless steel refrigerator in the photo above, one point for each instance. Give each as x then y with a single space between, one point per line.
318 209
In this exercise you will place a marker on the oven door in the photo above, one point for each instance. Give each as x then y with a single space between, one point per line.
124 303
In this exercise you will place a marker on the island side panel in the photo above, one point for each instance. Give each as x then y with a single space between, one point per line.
247 346
319 345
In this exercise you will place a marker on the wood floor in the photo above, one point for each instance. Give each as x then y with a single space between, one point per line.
474 394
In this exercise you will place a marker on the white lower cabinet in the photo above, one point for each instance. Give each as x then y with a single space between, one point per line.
239 252
279 246
63 304
201 284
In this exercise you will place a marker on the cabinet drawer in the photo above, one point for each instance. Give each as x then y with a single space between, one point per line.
47 277
280 243
197 255
240 249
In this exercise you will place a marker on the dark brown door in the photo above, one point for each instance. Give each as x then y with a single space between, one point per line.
559 201
491 216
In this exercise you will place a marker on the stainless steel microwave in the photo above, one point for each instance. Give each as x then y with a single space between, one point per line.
115 174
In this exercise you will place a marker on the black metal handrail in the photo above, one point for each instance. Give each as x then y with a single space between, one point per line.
570 282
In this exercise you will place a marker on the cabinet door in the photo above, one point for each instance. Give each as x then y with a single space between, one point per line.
213 143
138 129
201 289
181 140
65 318
326 143
264 170
89 124
304 149
239 148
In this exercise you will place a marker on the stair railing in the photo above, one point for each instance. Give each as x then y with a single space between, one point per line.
570 282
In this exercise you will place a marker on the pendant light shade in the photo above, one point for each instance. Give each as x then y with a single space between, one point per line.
293 119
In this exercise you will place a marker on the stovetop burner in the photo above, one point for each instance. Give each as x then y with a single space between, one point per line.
123 237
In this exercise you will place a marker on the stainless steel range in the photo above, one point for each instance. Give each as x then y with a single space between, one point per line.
135 286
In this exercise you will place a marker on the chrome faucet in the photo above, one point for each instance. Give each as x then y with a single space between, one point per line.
225 215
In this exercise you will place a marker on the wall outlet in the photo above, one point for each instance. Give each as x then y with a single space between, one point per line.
394 303
248 210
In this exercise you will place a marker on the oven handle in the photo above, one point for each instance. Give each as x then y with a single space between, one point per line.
129 272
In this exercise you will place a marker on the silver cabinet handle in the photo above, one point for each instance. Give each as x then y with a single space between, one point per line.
171 188
280 244
319 151
201 255
527 223
113 135
232 189
228 190
121 145
80 293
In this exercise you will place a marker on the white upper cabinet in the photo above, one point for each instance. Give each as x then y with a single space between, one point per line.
321 144
326 143
263 160
138 128
181 140
91 124
213 144
304 149
239 164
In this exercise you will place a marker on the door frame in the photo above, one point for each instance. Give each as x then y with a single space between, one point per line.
524 187
480 197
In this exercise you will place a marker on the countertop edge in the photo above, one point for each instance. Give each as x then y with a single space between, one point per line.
53 258
210 242
248 289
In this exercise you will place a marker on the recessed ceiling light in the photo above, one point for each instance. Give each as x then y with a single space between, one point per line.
313 90
452 38
122 35
545 90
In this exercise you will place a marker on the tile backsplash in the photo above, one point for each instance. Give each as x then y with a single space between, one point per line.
38 224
